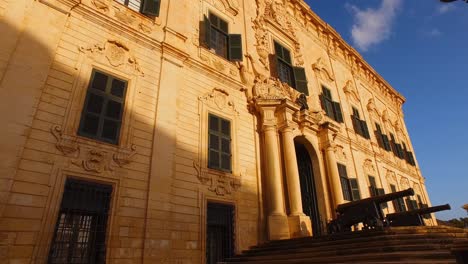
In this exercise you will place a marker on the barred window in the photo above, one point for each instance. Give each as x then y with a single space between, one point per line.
103 109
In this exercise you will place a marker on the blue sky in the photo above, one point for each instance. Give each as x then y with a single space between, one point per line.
421 48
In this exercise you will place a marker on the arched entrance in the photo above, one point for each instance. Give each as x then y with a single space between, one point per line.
308 187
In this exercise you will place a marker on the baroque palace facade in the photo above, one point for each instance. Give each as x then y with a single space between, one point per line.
164 131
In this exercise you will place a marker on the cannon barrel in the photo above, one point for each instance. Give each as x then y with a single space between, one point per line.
376 199
422 211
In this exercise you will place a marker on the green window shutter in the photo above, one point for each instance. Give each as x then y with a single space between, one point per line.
207 31
301 80
356 124
365 129
150 7
338 113
273 61
355 189
235 47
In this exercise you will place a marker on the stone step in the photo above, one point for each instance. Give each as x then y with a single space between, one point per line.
379 246
416 238
395 257
416 245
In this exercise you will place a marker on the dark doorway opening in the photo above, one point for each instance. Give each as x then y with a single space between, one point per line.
308 190
219 232
80 232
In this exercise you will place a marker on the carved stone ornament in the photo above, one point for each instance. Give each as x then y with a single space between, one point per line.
273 88
102 5
231 6
114 51
274 12
322 70
369 166
350 91
340 153
404 183
219 99
301 100
219 184
65 143
104 161
88 158
371 108
391 177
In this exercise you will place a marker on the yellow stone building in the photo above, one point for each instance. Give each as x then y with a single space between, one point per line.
164 131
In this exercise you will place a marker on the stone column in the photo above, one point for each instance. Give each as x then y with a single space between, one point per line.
334 175
278 227
299 223
329 131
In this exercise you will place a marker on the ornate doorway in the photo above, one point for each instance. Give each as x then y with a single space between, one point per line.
308 189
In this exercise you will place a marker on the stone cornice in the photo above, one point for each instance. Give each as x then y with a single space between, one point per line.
352 57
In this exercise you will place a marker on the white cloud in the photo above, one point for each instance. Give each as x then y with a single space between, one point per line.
445 8
435 32
373 25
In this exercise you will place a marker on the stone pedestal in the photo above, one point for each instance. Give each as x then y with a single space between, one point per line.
278 227
300 226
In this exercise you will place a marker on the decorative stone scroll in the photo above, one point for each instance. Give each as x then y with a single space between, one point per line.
369 167
340 153
350 91
231 6
322 70
371 108
115 52
220 184
89 158
391 177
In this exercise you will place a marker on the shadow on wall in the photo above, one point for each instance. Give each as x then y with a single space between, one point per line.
37 90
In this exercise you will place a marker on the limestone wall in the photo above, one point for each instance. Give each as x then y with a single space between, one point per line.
158 171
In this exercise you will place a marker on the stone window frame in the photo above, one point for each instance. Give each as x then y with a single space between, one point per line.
76 103
218 103
48 226
126 3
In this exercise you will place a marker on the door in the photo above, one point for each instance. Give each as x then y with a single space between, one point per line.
308 191
219 232
80 232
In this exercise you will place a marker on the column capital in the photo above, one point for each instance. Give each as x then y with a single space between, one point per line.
285 113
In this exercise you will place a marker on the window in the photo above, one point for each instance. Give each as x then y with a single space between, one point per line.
411 204
349 186
219 143
360 126
373 186
146 7
295 77
217 38
80 232
331 108
398 203
408 156
397 148
101 118
382 139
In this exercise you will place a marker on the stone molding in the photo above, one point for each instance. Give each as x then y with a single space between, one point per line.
219 183
322 70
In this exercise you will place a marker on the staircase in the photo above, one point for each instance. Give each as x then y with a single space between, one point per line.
412 245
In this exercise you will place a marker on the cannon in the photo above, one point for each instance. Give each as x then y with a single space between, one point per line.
366 211
413 217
